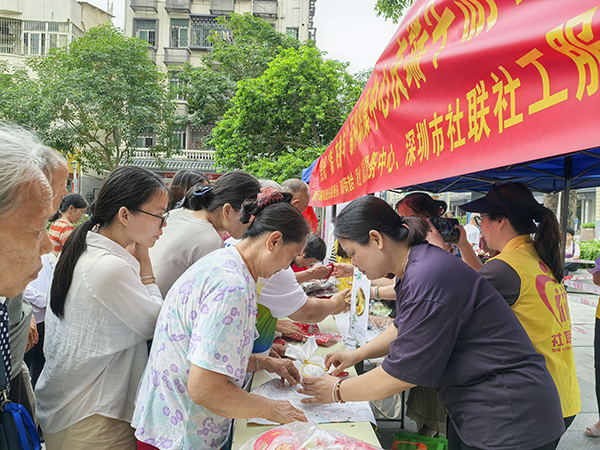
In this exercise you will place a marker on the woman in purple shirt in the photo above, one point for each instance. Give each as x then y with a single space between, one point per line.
453 332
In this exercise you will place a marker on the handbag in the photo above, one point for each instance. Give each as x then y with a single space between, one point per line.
17 429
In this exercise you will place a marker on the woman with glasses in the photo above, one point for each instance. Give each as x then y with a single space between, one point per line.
104 303
195 229
453 332
528 272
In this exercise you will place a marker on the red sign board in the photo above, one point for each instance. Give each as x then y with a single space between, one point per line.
469 85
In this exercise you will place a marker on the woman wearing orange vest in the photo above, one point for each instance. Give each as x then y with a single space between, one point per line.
528 273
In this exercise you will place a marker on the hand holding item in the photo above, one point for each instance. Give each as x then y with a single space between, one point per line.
277 351
320 271
341 360
341 270
319 388
286 327
282 411
342 300
283 367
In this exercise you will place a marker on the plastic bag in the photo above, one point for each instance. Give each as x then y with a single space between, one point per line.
307 364
301 436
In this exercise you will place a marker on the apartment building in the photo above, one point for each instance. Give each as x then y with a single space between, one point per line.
177 32
32 27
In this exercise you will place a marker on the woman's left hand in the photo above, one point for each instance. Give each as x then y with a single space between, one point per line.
319 388
283 367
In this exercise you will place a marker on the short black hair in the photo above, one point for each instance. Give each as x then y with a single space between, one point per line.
315 248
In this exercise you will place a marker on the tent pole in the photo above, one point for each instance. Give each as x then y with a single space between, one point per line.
564 216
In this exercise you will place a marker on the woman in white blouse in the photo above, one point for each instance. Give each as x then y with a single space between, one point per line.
103 308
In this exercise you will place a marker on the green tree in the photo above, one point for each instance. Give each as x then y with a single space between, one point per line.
285 118
244 50
392 9
98 96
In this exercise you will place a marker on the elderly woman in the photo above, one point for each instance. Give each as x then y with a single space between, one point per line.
460 338
192 386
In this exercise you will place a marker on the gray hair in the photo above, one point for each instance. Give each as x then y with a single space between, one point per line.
49 161
295 187
19 165
271 183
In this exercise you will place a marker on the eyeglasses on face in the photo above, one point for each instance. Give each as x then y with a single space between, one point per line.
163 218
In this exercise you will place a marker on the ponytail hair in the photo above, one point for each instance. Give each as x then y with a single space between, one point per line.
182 182
371 213
524 212
74 200
423 205
233 188
272 211
127 186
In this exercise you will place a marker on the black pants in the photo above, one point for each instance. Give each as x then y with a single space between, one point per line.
571 267
456 443
34 358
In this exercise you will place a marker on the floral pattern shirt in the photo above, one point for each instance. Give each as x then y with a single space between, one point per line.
208 319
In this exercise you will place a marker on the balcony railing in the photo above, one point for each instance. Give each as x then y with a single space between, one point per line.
176 55
265 8
144 5
194 155
219 7
178 6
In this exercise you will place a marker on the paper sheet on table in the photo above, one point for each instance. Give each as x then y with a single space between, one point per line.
317 413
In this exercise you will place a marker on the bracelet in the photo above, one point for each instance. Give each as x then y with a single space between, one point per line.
149 277
333 392
256 361
338 394
377 293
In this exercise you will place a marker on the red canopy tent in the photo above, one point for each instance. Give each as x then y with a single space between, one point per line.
465 86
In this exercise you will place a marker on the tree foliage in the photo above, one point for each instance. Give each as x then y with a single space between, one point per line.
299 103
392 9
96 98
243 51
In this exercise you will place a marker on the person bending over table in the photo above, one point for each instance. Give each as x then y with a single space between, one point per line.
192 386
459 337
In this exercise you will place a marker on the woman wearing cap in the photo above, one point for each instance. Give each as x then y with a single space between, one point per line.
460 338
191 388
594 430
528 273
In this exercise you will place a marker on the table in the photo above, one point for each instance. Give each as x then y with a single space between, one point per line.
243 431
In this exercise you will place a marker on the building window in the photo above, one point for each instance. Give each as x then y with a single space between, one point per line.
39 37
175 83
145 140
10 36
180 136
179 32
145 30
201 29
292 32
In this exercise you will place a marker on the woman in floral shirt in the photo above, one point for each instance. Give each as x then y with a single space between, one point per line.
192 386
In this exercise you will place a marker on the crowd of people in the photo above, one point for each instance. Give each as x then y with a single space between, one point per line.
144 335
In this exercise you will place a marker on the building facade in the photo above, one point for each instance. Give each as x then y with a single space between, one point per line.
177 32
33 27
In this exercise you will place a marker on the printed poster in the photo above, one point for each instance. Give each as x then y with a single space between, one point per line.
359 313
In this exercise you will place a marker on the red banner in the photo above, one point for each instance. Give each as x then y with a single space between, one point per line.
469 85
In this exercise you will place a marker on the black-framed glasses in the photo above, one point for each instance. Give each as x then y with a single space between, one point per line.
163 218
